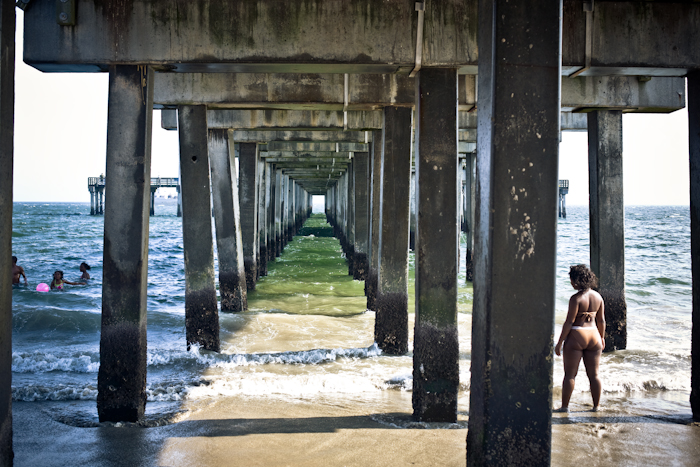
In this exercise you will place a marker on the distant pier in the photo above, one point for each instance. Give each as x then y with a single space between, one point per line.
563 191
96 185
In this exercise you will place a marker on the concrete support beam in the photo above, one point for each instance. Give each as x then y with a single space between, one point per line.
227 216
295 120
607 217
310 146
201 310
265 136
168 118
391 325
694 149
279 91
7 129
248 195
371 283
629 93
515 248
121 380
260 37
436 346
362 202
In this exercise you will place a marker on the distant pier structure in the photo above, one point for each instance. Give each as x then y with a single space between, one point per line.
563 191
96 185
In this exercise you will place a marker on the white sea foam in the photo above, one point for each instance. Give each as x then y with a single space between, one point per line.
41 362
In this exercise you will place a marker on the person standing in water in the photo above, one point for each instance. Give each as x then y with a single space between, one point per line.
58 281
583 335
17 272
84 268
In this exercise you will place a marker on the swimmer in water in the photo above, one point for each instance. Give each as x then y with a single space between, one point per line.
58 281
17 272
84 268
583 335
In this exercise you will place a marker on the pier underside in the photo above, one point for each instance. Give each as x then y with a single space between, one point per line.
373 105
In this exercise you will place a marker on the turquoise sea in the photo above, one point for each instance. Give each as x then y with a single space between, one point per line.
307 335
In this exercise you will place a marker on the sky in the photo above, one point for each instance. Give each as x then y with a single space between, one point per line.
61 140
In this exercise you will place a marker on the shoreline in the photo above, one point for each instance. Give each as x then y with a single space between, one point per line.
330 431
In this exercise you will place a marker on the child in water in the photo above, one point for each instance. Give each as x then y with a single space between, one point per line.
58 281
84 268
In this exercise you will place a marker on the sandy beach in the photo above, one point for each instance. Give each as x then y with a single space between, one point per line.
268 432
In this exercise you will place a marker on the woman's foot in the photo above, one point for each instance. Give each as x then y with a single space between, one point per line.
596 408
562 410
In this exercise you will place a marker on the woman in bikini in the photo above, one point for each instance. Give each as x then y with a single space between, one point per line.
582 335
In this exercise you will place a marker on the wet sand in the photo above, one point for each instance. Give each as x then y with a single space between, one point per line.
268 432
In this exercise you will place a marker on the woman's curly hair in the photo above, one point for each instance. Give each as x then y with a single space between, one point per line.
582 278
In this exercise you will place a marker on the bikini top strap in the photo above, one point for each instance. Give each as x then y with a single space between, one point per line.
587 315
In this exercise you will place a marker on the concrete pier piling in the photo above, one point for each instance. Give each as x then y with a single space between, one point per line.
7 129
391 323
362 188
121 380
607 217
436 346
263 206
201 308
350 219
515 246
375 224
227 217
469 212
279 189
248 196
694 149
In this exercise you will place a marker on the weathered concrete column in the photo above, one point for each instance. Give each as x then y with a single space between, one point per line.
375 224
247 187
607 217
391 324
694 148
121 380
271 248
470 206
153 200
291 201
263 205
435 345
227 216
279 204
362 185
350 219
284 211
412 214
201 310
515 239
92 200
7 129
179 201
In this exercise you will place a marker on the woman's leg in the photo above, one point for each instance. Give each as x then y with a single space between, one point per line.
591 359
572 358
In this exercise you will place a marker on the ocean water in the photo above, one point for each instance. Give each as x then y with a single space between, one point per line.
307 334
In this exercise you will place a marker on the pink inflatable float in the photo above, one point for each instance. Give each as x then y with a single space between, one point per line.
42 287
